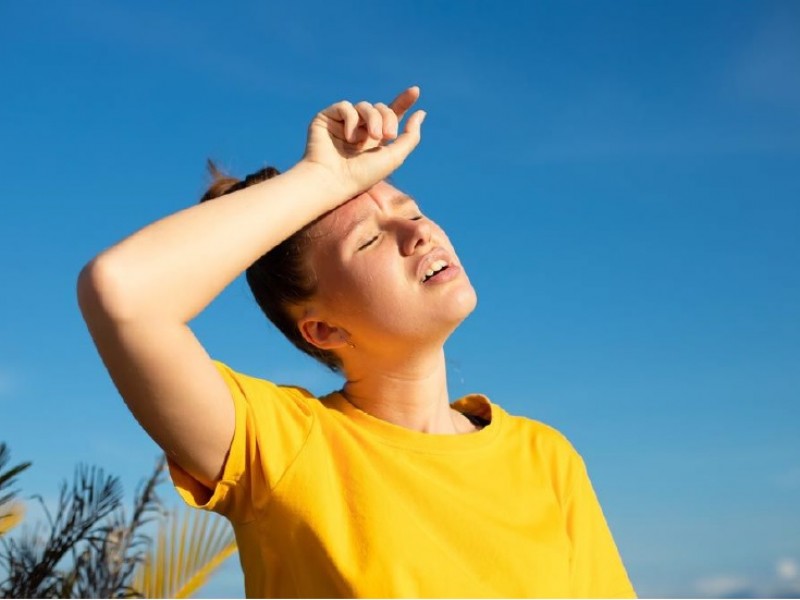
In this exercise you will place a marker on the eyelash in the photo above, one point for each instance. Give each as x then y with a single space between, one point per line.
370 242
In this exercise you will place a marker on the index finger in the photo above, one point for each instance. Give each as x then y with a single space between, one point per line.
404 101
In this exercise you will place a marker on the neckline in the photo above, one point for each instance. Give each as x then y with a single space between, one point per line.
431 443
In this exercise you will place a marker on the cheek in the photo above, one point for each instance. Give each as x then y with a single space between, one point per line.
345 289
374 289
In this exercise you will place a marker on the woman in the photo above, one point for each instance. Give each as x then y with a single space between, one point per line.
383 488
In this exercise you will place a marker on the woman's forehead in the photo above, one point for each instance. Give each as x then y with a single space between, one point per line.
340 220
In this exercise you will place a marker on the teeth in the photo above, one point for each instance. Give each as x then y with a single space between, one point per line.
436 266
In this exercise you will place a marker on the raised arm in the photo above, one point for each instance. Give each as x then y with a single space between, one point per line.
138 296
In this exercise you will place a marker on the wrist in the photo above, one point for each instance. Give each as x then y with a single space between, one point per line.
324 180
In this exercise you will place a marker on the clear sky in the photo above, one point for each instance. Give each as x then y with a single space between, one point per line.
620 179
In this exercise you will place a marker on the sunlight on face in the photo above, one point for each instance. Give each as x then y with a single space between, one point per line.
371 256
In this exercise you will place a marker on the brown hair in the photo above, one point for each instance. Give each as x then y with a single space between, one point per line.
280 278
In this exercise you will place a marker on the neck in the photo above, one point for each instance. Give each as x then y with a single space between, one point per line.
411 393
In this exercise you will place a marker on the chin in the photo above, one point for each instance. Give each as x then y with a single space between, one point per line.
462 303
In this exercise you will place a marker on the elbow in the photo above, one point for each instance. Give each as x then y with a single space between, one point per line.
100 291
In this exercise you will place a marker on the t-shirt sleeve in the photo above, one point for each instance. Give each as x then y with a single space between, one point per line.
596 568
272 424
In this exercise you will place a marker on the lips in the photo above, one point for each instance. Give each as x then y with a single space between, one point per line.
431 257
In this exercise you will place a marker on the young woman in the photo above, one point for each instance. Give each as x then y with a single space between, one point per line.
383 488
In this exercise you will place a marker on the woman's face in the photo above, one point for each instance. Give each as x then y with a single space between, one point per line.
373 257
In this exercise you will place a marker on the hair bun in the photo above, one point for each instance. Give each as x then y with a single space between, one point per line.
222 183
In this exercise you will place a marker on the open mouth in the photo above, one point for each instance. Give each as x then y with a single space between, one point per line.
436 267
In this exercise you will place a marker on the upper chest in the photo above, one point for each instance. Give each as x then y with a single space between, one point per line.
392 522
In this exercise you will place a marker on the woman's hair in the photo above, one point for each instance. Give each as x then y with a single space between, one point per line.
281 278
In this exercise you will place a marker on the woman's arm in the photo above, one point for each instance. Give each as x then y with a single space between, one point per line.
138 296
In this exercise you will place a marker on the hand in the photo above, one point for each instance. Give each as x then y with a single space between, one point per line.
353 143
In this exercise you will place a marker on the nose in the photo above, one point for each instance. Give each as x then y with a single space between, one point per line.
416 235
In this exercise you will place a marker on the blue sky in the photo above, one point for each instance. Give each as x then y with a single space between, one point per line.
620 179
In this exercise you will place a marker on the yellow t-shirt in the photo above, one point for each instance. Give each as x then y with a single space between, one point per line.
328 501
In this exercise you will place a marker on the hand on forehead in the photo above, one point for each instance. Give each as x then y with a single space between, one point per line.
382 196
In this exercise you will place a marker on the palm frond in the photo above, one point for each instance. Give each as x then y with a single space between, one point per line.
109 552
11 516
32 562
7 479
190 548
106 567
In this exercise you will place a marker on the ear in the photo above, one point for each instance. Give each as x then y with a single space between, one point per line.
321 334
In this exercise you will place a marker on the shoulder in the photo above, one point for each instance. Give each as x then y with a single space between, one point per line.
246 380
539 433
550 446
258 391
552 451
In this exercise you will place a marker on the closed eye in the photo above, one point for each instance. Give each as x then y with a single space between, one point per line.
368 243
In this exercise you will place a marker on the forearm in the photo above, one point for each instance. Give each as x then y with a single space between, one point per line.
173 268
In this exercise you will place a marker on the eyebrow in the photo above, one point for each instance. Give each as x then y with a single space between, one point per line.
401 199
396 202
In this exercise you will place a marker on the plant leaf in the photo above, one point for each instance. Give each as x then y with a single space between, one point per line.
179 565
11 516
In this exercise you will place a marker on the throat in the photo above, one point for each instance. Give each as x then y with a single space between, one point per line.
407 388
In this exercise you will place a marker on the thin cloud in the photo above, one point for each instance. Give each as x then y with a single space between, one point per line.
788 570
788 585
785 584
724 586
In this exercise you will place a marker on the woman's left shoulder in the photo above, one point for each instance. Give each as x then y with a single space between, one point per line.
542 434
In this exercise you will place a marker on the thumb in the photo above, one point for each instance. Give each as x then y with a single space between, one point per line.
377 163
405 143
